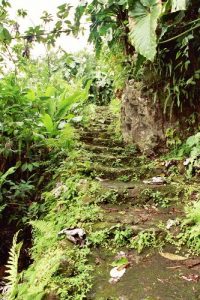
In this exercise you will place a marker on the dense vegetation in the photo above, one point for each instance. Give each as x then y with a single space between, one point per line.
50 181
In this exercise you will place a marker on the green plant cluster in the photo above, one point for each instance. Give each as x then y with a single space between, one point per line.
163 34
58 265
46 178
190 227
35 125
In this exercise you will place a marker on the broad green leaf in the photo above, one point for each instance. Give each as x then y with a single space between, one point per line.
143 22
120 262
66 102
5 35
48 123
31 95
122 2
178 5
50 91
51 106
193 140
51 103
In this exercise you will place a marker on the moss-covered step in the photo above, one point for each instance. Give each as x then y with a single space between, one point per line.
110 172
111 160
102 141
138 218
92 134
103 149
139 193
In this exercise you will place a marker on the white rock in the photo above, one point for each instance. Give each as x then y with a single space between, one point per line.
115 273
155 180
171 223
186 162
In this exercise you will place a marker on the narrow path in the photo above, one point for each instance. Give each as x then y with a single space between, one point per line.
128 201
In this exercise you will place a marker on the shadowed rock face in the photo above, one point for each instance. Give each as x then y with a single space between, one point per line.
142 120
145 123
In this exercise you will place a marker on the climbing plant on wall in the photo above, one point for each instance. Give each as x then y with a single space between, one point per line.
134 23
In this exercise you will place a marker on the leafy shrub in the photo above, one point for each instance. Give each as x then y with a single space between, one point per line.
144 239
190 234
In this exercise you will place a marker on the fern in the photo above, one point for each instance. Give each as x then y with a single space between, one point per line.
12 268
191 228
193 213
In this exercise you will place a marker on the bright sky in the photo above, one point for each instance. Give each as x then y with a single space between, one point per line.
35 9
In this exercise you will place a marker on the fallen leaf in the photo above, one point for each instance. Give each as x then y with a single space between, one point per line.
191 277
172 256
120 262
175 267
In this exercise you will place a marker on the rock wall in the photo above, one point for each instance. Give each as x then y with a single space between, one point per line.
142 120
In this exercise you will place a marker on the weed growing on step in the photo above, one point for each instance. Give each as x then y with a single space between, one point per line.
99 237
190 233
122 236
112 238
145 239
110 196
131 150
124 178
117 163
185 232
160 200
155 196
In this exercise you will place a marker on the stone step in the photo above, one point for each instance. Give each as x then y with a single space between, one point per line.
139 219
101 122
111 160
148 217
99 128
94 133
102 141
112 173
139 193
102 149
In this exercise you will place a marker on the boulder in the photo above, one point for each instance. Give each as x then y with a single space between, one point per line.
142 120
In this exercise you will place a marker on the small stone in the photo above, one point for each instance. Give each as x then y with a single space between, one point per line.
186 162
155 180
171 223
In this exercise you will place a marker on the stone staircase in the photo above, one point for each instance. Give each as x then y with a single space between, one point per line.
128 201
121 171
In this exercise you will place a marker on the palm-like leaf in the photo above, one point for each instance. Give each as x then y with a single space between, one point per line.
48 123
